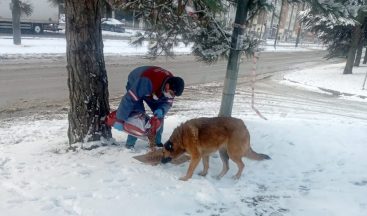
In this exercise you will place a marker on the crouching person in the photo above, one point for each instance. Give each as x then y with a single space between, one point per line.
154 85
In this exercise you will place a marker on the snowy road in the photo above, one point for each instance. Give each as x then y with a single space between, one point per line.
40 83
272 99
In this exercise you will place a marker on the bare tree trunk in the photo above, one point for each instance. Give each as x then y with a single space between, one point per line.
360 45
272 20
17 39
299 28
108 10
364 81
356 35
87 76
365 57
278 26
180 7
357 61
289 24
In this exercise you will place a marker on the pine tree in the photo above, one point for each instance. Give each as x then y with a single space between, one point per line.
195 22
339 25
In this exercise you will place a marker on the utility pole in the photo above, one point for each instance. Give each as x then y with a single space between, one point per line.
235 52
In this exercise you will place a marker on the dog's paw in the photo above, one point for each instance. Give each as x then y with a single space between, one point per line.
218 177
184 178
203 173
236 177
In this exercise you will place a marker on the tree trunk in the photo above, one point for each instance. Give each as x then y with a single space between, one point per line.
356 35
180 7
278 26
87 76
359 54
272 20
16 22
299 28
362 40
365 57
289 24
360 45
235 52
108 10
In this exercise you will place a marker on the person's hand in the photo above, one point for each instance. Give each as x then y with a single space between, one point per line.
118 126
158 113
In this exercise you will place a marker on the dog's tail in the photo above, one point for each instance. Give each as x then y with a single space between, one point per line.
256 156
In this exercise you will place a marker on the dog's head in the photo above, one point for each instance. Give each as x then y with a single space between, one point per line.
174 146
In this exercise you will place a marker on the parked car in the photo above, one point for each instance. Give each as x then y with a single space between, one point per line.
111 24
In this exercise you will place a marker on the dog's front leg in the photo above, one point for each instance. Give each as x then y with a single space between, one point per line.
193 164
206 165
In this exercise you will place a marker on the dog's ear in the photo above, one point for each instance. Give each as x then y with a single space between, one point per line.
168 146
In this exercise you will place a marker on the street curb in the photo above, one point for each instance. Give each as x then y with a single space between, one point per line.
331 91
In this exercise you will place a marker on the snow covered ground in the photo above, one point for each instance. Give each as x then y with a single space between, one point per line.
330 77
317 168
43 47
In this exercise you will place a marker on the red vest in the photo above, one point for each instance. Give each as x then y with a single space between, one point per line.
158 77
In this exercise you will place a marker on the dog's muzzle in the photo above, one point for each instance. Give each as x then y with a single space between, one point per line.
166 160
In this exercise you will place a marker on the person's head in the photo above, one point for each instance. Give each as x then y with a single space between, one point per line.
173 87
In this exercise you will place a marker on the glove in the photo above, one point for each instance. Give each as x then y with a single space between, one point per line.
158 113
118 126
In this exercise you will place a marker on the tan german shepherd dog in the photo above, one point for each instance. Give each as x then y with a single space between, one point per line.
201 137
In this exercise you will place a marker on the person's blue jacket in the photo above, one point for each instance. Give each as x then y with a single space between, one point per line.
145 83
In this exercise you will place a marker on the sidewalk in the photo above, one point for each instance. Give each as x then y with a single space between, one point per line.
330 79
43 47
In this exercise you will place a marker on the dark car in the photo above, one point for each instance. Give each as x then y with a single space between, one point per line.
111 24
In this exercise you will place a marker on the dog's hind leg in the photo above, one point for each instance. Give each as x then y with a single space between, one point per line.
224 156
240 165
206 165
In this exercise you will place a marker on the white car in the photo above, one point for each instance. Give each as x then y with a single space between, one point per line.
111 24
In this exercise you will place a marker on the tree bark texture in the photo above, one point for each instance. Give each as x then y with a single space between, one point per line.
356 35
17 39
87 76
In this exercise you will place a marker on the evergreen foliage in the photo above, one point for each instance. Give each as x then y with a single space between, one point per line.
333 21
25 7
199 24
